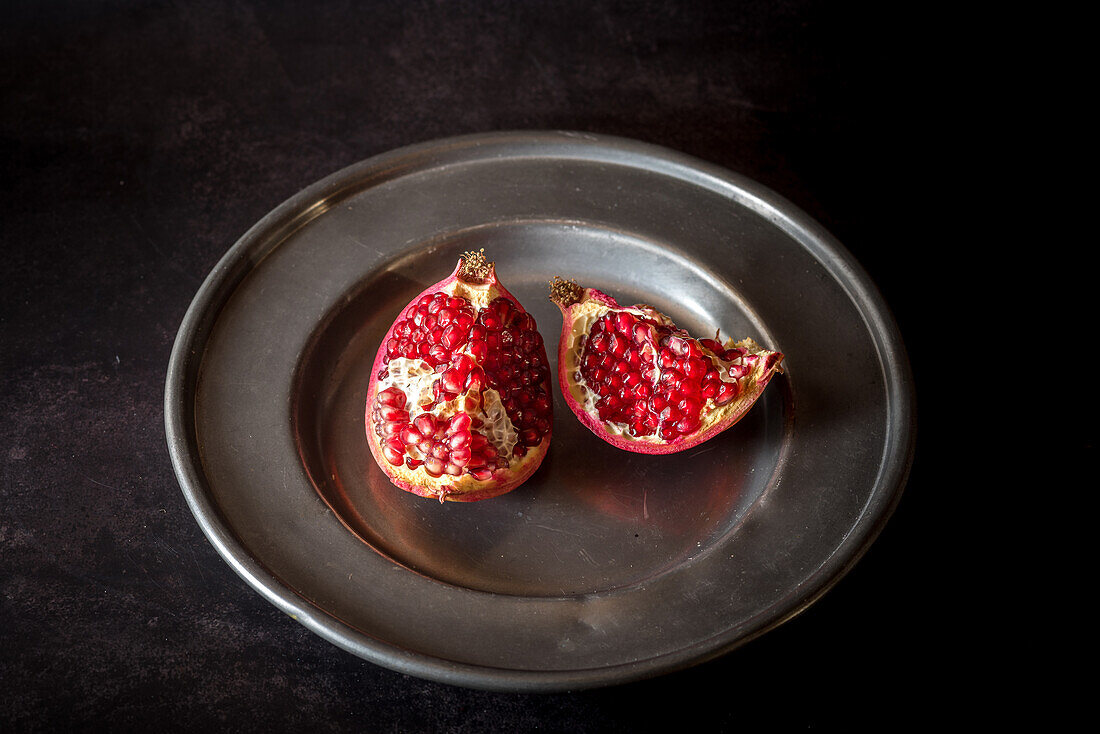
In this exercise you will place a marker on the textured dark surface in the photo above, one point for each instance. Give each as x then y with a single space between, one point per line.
139 140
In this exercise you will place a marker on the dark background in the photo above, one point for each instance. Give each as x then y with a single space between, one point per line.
139 140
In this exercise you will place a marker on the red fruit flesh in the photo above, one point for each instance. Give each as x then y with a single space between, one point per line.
642 384
459 405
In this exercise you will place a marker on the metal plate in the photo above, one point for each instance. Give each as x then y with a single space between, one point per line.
606 566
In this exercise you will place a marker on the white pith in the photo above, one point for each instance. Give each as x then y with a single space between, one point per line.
415 377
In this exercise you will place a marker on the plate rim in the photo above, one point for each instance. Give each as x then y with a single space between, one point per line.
313 200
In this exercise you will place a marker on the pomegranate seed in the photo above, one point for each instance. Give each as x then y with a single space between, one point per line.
712 345
452 336
446 315
688 406
452 381
737 371
694 368
479 350
672 378
390 413
617 346
392 396
726 393
425 424
689 389
464 363
476 381
392 455
459 422
438 354
598 342
688 424
433 466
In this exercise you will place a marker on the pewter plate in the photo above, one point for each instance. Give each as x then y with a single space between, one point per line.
606 566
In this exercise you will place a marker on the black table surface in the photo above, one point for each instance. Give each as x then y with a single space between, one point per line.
141 139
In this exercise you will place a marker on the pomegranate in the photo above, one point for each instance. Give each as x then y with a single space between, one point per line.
459 405
643 384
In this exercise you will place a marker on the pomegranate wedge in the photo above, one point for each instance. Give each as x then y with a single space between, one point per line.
643 384
459 405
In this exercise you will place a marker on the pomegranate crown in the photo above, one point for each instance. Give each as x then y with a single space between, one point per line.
565 292
475 267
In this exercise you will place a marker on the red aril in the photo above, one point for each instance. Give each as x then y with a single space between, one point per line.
643 384
459 405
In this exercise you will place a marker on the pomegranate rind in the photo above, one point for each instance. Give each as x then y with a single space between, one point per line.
581 308
480 287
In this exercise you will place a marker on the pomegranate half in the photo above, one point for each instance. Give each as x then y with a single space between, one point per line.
643 384
459 406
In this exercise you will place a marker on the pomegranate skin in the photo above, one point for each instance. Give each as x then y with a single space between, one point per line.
461 375
743 369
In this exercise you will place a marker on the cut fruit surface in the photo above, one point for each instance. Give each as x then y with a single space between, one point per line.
459 405
643 384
